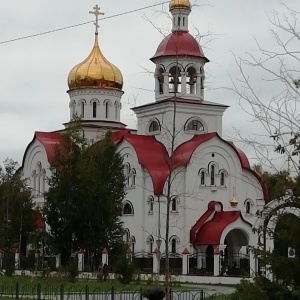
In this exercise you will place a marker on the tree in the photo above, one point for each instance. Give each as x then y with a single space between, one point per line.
84 200
276 107
16 208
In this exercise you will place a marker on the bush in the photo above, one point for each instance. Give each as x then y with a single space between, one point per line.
124 269
154 294
72 270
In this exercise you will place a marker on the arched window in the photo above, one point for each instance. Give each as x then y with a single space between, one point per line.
160 78
82 109
154 126
34 179
127 174
178 23
126 236
133 177
202 81
173 246
194 125
39 178
128 209
222 178
174 80
43 180
73 104
174 204
94 109
212 175
202 177
151 204
150 242
248 207
133 242
191 81
106 109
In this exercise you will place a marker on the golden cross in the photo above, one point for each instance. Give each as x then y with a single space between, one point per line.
96 12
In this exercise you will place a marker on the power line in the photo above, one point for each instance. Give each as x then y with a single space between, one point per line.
81 24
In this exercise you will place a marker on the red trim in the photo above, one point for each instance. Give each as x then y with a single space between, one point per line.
201 221
155 250
39 220
210 233
105 251
186 251
179 43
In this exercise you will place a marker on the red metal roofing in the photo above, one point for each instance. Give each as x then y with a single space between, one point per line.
179 43
39 220
210 233
49 140
152 155
201 220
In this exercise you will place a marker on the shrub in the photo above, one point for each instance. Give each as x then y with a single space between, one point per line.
124 269
72 270
154 294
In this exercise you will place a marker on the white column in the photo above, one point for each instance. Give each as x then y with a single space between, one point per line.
81 260
269 273
155 261
216 261
58 261
105 256
17 259
166 84
199 259
185 261
198 84
183 82
156 85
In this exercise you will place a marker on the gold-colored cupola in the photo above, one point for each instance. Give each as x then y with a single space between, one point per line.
185 4
95 71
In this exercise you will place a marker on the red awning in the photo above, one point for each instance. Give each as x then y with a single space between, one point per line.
210 233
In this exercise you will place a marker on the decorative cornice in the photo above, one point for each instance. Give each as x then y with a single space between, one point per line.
115 93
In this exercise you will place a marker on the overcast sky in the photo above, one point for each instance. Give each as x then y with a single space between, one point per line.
34 71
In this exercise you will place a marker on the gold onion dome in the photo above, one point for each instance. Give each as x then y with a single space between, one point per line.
233 202
180 4
95 72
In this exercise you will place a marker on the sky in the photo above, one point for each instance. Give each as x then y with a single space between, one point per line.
34 71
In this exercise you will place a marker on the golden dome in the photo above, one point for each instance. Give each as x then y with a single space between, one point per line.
180 4
95 72
233 202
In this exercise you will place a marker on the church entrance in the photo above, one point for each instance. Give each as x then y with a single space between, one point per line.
234 260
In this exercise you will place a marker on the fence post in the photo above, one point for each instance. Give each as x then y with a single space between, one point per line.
170 293
61 292
112 293
17 290
86 292
38 291
141 293
201 295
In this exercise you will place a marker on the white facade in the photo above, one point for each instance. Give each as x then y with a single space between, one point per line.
207 170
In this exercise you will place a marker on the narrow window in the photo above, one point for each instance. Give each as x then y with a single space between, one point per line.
222 180
151 244
248 206
133 176
178 22
212 175
173 250
151 204
202 178
44 180
183 21
82 109
94 109
154 126
174 204
106 110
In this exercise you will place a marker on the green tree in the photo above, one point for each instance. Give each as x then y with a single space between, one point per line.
86 189
17 221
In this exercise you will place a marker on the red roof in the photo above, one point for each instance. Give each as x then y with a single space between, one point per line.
105 251
179 43
201 220
49 140
186 251
40 222
210 233
152 155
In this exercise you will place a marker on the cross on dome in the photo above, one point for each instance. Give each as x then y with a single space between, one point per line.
97 13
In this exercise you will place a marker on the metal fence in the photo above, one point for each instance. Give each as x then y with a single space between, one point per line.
61 292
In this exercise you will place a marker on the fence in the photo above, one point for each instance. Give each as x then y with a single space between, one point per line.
39 292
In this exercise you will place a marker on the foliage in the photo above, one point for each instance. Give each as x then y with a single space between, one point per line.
9 263
17 220
124 269
154 294
72 269
84 200
263 289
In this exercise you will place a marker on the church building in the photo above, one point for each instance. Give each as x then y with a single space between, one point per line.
177 152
